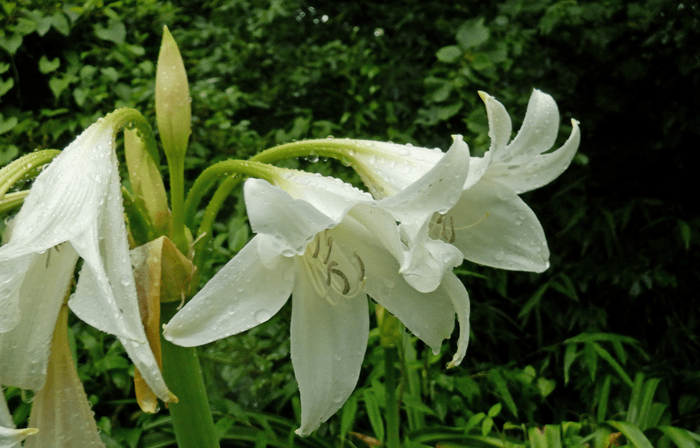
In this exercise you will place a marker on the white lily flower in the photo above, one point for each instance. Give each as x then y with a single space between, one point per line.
329 245
490 224
74 209
9 436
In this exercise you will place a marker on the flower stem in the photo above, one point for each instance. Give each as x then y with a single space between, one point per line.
392 405
191 416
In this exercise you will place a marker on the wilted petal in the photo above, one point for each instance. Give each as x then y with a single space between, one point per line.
60 410
25 349
244 293
491 225
329 339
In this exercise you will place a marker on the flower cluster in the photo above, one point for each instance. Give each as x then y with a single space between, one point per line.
331 245
321 241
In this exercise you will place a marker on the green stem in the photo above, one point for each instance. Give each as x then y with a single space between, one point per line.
191 416
204 233
215 172
392 405
328 147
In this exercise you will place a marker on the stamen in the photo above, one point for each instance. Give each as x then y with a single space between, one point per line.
317 240
330 246
362 266
346 282
330 267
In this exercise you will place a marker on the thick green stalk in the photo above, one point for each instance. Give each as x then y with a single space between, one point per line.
392 404
191 416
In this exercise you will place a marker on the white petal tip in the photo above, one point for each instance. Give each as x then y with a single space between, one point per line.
575 123
484 96
28 431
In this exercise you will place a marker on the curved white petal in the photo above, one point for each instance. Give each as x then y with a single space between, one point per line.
436 191
538 171
105 296
329 195
460 301
244 293
9 436
12 273
491 225
329 339
25 349
427 260
12 437
387 168
65 198
292 222
500 128
539 129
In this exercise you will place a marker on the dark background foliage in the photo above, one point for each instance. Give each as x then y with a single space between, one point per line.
622 222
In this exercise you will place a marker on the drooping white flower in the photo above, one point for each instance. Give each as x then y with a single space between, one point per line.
74 209
329 245
9 436
490 224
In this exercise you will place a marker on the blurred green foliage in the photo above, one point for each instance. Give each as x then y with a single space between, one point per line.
604 342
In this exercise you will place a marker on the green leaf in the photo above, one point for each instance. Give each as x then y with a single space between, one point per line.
502 388
549 437
7 125
603 399
495 410
114 32
545 386
347 417
633 434
11 42
679 436
60 23
48 66
24 26
684 229
569 358
608 357
374 414
5 86
472 33
449 54
58 85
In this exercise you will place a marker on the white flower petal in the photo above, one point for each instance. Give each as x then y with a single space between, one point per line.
25 349
65 197
11 437
540 170
329 195
500 127
460 301
243 294
292 222
493 226
426 260
539 129
60 410
105 296
329 339
12 273
436 191
387 168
